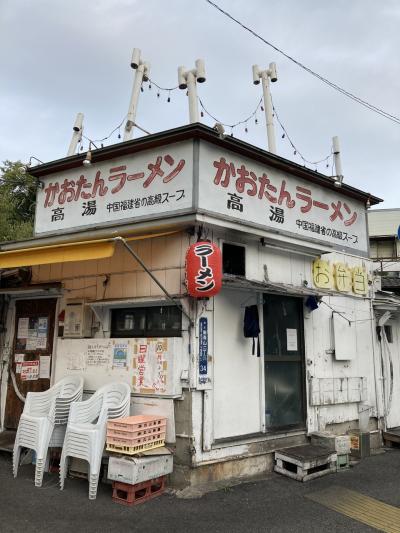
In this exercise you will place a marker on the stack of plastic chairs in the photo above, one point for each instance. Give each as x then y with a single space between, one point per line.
44 421
86 431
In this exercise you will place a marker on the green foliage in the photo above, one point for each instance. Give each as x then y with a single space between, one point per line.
17 202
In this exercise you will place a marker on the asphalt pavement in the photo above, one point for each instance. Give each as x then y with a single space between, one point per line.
273 504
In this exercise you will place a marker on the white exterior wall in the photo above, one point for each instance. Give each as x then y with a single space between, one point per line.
235 405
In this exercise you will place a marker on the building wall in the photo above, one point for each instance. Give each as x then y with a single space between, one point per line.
165 256
226 417
232 413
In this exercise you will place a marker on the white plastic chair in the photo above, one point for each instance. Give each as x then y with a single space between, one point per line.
86 430
43 421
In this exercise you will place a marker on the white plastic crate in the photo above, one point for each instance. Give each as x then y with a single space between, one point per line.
134 470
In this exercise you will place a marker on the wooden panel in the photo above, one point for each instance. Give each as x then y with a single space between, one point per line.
32 309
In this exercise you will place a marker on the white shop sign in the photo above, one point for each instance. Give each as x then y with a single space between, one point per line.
143 185
162 181
256 194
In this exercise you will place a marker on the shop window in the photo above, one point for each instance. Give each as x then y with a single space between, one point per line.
233 259
152 321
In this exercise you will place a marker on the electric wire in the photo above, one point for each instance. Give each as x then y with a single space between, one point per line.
331 84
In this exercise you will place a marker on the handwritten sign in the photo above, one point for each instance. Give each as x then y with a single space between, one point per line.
98 355
29 370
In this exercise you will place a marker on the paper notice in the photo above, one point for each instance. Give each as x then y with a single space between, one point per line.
44 370
291 340
31 343
19 357
42 327
18 368
41 343
29 370
120 355
23 325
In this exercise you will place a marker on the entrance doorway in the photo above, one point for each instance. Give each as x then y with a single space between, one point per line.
33 343
284 362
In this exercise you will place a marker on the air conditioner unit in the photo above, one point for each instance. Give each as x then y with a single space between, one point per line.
78 320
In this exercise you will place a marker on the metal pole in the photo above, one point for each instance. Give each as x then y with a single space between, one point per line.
268 112
133 104
192 95
337 158
76 134
170 298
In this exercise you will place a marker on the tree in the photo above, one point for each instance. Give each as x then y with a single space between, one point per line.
17 201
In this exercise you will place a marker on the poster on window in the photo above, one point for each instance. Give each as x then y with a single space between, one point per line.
29 370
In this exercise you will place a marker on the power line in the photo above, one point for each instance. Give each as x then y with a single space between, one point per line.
331 84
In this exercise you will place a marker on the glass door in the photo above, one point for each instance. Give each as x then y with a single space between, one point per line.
284 362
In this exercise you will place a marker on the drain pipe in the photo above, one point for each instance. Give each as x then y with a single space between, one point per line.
381 323
377 394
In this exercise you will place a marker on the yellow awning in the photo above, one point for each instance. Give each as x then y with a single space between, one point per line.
62 253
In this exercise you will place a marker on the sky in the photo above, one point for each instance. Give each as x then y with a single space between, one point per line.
59 58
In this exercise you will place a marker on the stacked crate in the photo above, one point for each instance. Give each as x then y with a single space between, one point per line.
137 479
135 434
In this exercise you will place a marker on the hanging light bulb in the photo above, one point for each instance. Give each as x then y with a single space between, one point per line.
256 120
158 94
169 97
201 114
262 109
283 135
119 135
149 86
101 145
368 203
246 129
141 88
294 153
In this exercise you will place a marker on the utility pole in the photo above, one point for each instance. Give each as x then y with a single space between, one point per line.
142 70
188 79
77 131
337 161
266 75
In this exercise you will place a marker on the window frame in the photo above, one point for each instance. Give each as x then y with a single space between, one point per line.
239 245
147 332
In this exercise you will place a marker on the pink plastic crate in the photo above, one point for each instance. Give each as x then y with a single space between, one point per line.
136 434
122 441
136 423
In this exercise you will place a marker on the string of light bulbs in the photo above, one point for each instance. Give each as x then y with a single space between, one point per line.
240 122
284 135
331 84
160 88
205 111
296 151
